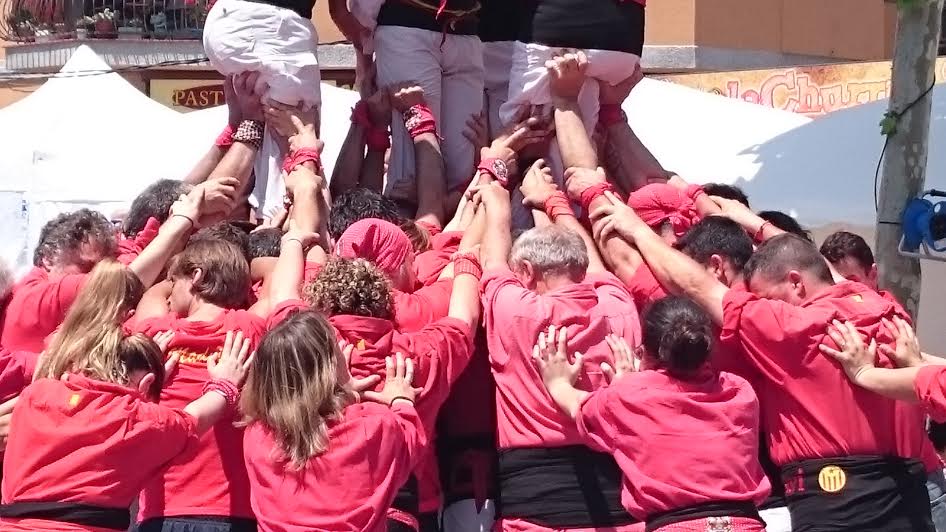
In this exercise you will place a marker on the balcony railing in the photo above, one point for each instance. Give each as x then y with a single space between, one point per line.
51 20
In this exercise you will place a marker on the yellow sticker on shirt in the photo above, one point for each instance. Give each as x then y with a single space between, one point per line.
832 479
74 400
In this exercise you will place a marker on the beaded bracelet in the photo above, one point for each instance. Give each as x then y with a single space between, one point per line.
250 132
227 389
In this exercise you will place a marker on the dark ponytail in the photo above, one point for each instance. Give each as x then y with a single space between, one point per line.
678 336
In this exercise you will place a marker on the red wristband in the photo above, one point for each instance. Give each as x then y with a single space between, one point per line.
225 139
694 191
467 263
227 389
592 193
302 156
558 205
759 236
611 114
377 138
497 168
360 116
419 120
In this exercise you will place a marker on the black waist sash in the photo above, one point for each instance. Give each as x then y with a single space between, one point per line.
702 511
396 13
407 501
561 487
67 512
862 493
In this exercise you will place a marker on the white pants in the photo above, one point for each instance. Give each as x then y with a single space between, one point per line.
529 79
241 36
777 519
450 70
462 516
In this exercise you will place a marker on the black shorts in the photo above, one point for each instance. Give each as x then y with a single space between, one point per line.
197 524
614 25
858 493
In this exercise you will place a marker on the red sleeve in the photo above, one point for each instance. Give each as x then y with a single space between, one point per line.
412 432
15 374
442 350
430 264
930 388
425 305
171 430
645 288
594 420
284 310
130 248
448 241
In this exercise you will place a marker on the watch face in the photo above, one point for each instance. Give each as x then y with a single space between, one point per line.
500 169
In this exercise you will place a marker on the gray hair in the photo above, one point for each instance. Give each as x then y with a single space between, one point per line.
551 250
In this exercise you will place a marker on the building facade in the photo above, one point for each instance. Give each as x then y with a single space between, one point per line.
155 44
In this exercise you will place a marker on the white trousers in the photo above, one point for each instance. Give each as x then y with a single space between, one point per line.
450 70
241 36
777 519
462 516
529 79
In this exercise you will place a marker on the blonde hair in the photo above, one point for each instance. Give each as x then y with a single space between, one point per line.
91 340
293 387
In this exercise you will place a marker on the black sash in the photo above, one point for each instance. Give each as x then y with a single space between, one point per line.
862 493
394 13
407 500
197 522
459 475
561 487
701 511
77 514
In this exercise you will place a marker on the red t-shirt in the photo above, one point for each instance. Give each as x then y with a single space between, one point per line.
440 351
16 373
370 455
38 304
809 407
209 479
649 420
90 442
430 264
645 288
526 416
413 311
130 248
930 387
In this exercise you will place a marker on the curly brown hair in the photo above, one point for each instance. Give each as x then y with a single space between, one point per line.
351 286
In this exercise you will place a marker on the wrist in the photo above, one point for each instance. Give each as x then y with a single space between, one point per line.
861 374
564 103
249 132
610 114
226 388
496 168
184 220
557 204
419 120
402 399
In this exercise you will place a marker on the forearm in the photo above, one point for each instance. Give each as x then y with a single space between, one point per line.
573 140
205 166
897 383
932 360
567 397
308 207
497 242
207 410
595 262
679 273
622 258
237 163
286 279
431 182
152 259
540 219
348 166
631 161
372 171
465 300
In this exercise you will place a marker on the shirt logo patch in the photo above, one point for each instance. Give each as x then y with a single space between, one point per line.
858 298
74 400
832 479
360 345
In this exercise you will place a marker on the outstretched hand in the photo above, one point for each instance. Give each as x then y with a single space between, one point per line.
624 360
399 374
906 353
234 361
849 349
567 75
551 357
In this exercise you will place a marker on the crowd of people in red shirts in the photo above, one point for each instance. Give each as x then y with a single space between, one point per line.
642 354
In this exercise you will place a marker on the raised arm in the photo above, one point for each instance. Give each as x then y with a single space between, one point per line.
566 77
429 172
465 298
248 136
378 140
497 240
674 270
214 155
184 216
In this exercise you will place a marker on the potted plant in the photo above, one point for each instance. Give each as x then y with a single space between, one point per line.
132 29
84 27
104 24
23 24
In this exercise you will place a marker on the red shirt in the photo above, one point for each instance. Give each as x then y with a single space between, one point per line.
90 442
526 416
430 264
130 248
37 306
649 420
16 373
370 455
809 407
413 311
211 478
440 351
645 288
930 387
